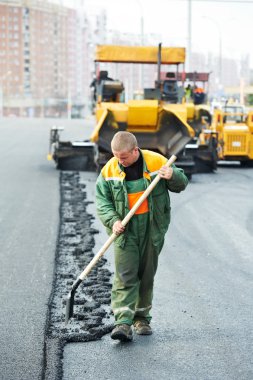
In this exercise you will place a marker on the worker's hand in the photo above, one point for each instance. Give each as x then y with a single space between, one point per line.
166 172
118 228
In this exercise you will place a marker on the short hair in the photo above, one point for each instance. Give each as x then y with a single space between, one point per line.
123 141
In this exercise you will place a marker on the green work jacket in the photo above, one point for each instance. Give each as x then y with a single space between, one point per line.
112 198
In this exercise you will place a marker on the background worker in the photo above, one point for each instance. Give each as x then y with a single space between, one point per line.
120 184
188 94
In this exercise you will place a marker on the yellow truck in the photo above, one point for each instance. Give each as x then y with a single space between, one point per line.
158 125
234 127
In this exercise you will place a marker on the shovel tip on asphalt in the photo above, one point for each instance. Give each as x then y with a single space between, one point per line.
70 301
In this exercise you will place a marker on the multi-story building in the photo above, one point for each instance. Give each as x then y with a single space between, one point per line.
11 52
41 58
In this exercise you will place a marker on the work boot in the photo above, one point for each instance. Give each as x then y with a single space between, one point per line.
122 332
142 327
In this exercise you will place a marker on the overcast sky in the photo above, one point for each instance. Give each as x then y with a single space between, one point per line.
225 23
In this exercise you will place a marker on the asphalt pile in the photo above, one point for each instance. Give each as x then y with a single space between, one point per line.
92 316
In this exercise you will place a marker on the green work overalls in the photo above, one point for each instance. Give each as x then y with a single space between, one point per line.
136 266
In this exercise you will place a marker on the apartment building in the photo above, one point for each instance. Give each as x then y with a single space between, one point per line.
40 58
11 52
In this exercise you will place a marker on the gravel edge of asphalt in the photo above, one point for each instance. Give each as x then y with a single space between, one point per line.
73 252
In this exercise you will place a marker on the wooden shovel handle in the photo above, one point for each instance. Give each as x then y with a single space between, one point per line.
124 222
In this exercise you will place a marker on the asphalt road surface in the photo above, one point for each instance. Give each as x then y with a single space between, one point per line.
203 302
202 311
29 217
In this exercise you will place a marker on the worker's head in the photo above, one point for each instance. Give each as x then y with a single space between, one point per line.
125 148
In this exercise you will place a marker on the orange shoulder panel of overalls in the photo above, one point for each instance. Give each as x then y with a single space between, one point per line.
111 169
154 161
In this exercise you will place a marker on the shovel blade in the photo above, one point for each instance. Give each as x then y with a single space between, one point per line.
69 308
70 301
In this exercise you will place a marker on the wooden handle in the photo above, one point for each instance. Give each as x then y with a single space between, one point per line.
124 222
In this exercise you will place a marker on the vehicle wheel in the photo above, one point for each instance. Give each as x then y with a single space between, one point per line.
203 166
77 163
247 164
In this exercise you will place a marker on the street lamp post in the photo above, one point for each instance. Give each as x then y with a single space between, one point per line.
1 100
189 45
1 91
142 42
69 101
220 45
69 98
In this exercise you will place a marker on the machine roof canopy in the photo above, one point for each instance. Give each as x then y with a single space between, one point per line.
139 54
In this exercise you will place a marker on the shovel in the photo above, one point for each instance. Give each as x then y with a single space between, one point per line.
113 236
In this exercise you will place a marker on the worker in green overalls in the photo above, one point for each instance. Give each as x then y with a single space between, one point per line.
120 184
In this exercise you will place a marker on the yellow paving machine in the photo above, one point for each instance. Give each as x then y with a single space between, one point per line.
234 127
159 124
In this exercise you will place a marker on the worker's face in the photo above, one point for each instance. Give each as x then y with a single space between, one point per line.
127 158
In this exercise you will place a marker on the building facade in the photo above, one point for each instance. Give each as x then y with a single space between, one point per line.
42 49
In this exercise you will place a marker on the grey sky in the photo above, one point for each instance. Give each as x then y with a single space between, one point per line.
225 22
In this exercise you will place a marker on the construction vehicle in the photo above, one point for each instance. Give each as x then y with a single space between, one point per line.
158 125
190 88
234 127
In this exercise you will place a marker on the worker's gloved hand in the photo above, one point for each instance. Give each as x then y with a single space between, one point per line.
118 228
166 172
